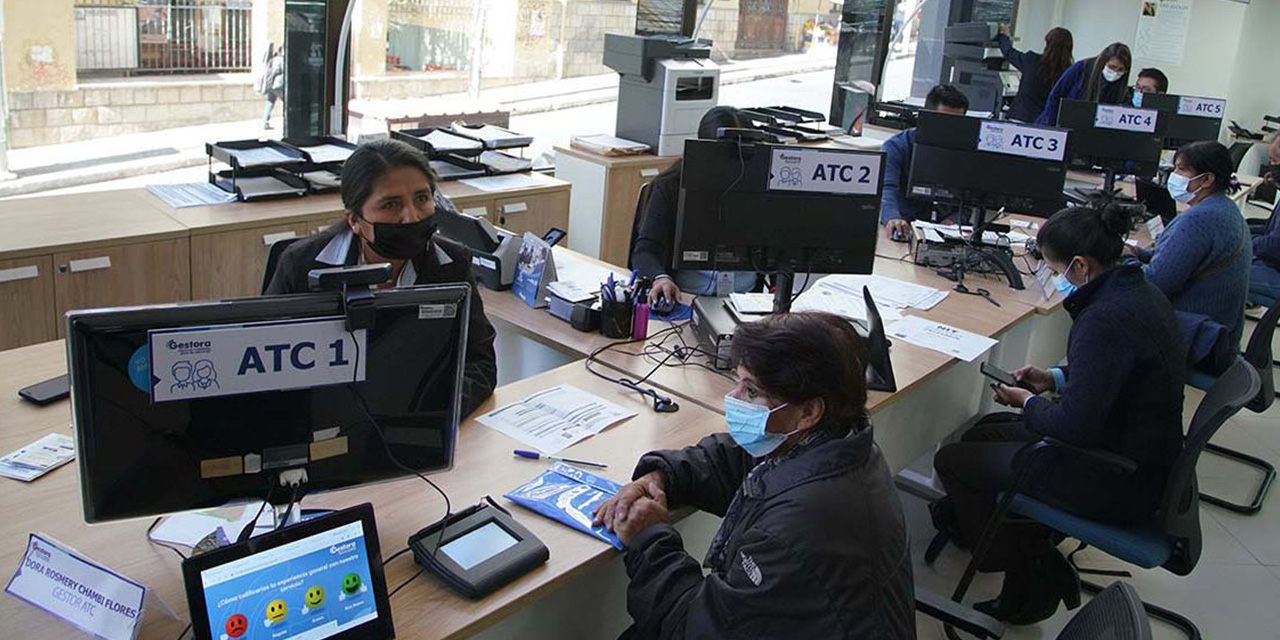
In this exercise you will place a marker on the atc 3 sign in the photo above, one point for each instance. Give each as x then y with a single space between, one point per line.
230 360
822 171
1018 140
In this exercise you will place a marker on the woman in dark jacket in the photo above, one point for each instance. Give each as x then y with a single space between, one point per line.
813 543
1040 71
1122 393
389 193
1103 79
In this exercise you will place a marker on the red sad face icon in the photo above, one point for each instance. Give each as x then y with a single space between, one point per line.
237 625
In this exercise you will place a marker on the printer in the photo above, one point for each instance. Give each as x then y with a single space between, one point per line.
494 252
667 83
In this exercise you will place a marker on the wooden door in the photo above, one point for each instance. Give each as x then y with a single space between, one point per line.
26 302
762 24
231 264
146 273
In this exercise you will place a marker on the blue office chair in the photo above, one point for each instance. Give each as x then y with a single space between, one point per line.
1258 354
1172 540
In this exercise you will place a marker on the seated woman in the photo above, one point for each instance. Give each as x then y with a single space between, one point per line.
813 543
1122 393
656 229
389 193
1201 261
1103 79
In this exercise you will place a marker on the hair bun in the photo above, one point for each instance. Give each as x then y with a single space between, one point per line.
1116 217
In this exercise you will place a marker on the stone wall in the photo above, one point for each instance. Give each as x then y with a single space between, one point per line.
585 23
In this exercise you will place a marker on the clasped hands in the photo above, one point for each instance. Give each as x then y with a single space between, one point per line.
638 505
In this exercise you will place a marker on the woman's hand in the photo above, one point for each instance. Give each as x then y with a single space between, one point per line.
1130 250
1035 379
1011 396
651 486
644 513
898 226
665 288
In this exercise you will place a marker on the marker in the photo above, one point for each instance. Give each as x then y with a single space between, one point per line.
534 455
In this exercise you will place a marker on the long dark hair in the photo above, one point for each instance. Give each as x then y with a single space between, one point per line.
1097 89
1092 232
1058 45
1209 156
372 159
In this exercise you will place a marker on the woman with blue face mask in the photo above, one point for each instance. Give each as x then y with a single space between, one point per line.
1122 392
813 543
1103 78
1201 261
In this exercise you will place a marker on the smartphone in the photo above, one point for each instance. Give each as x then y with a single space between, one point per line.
554 236
999 375
50 390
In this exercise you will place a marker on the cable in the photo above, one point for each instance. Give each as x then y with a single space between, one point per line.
396 555
160 543
247 531
184 631
404 584
295 498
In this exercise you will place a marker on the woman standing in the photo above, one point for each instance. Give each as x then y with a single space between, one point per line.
271 82
1040 71
1103 78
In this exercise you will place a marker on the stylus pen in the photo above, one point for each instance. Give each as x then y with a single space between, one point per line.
534 455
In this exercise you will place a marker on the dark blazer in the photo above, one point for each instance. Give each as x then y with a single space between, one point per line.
817 550
1032 89
442 262
1070 86
1123 394
651 255
894 202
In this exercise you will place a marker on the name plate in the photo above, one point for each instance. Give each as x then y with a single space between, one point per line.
1125 119
78 590
1202 107
1019 140
820 171
221 361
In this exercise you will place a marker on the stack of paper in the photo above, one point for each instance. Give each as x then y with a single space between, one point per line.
38 458
942 338
752 303
887 292
933 232
556 418
580 273
194 194
829 298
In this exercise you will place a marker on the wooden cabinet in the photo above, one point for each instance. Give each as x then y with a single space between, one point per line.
26 310
605 190
622 191
232 264
122 275
534 213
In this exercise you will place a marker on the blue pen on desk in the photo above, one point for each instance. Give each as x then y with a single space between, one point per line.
534 455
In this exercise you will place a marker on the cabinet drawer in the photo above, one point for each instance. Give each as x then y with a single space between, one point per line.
232 264
26 313
622 191
534 213
147 273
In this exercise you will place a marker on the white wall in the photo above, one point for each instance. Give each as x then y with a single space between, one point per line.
1254 89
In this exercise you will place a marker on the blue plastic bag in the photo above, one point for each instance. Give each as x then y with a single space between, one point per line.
569 496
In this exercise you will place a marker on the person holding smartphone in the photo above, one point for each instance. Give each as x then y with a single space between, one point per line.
1122 393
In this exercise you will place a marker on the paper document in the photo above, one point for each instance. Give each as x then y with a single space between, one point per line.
940 337
194 194
39 457
502 183
556 418
570 268
936 232
607 145
328 153
887 292
1023 224
752 302
260 156
572 291
830 299
188 529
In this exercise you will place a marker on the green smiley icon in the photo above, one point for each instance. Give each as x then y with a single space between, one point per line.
350 583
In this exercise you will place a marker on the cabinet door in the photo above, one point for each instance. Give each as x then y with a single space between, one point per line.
146 273
232 264
623 189
475 207
534 213
26 313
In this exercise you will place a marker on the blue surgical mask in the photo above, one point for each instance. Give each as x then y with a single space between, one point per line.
1137 99
1063 285
747 424
1177 186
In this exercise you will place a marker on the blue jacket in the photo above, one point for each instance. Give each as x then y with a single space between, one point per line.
1068 87
1266 240
1032 89
1124 394
1201 262
897 168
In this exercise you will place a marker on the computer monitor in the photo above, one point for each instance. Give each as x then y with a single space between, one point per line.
1113 138
989 164
765 207
196 405
1186 119
675 18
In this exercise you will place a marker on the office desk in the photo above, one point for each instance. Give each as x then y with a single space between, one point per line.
423 610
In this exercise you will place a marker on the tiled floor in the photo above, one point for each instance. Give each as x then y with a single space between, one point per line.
1234 592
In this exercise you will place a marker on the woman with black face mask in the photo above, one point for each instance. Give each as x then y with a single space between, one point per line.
389 193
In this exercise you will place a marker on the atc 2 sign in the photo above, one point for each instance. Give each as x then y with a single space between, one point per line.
1202 107
1018 140
235 359
1125 119
822 171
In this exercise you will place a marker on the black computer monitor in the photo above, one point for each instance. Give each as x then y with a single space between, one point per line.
1186 119
1099 142
211 415
989 164
766 207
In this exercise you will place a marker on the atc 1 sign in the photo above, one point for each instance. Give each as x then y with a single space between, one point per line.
822 171
1202 107
1125 119
235 359
1017 140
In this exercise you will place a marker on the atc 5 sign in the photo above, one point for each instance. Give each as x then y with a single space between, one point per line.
824 171
235 359
1202 107
1018 140
1125 118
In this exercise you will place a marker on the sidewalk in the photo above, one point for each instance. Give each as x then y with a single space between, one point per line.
79 163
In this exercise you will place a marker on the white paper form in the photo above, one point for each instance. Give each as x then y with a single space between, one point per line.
942 338
582 273
194 194
752 302
504 182
188 529
887 292
821 297
39 457
556 418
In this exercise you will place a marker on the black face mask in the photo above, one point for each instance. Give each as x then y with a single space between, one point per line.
399 241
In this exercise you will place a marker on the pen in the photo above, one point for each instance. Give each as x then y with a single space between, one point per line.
534 455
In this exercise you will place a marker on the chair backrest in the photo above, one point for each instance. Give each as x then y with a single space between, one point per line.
1237 153
1180 505
1115 614
1258 354
642 199
273 259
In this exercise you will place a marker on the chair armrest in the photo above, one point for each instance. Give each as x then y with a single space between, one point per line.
957 615
1119 463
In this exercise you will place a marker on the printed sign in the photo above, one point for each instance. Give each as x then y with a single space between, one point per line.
822 171
1019 140
1125 119
81 592
1202 107
1155 227
230 360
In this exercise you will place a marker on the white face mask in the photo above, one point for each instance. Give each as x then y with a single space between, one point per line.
1111 75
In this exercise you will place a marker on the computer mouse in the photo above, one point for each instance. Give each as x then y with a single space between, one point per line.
899 236
662 306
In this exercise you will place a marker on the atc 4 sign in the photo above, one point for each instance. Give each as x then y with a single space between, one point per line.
1125 119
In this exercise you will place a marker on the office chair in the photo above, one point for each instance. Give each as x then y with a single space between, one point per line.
1258 354
1172 540
1116 614
273 259
1237 153
642 199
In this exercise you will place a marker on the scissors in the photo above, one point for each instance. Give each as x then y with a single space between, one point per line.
960 288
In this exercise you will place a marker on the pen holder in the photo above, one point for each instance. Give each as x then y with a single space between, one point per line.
615 318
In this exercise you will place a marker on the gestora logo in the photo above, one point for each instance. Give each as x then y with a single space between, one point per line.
346 547
174 345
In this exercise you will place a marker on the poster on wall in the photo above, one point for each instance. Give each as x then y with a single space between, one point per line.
1162 31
